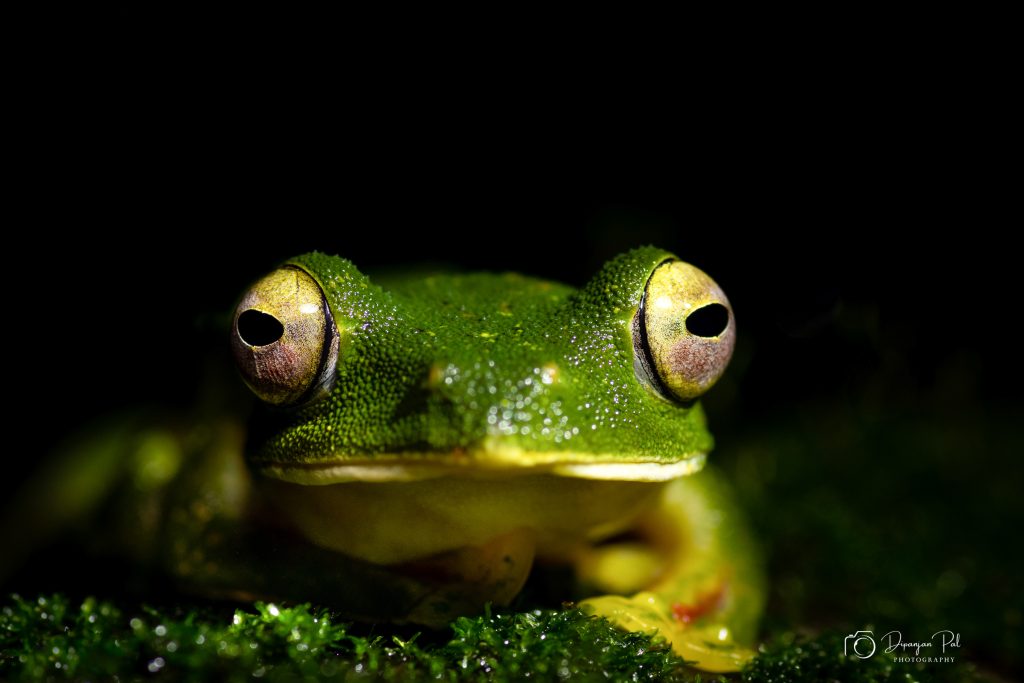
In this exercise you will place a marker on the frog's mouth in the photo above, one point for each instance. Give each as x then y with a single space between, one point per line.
482 464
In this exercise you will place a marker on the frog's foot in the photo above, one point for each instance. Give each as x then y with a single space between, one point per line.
463 581
704 587
688 625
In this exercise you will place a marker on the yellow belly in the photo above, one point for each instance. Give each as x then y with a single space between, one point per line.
397 522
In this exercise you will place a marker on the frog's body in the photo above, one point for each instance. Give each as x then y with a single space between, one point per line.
427 440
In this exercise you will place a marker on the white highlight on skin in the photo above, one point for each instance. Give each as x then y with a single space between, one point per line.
663 302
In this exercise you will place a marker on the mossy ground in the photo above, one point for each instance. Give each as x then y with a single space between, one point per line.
50 638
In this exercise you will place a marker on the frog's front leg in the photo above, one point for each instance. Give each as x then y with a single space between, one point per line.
221 538
244 561
706 589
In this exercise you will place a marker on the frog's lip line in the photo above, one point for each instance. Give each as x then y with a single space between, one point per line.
390 470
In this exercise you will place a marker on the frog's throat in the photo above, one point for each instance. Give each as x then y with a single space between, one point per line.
419 466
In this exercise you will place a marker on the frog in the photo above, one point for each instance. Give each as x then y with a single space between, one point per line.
420 443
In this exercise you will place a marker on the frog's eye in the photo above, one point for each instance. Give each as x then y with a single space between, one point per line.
683 333
284 338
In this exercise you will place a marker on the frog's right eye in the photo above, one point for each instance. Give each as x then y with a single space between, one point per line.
684 332
284 338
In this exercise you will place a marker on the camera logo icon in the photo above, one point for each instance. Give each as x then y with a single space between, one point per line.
860 644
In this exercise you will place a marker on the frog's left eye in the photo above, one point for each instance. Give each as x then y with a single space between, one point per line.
284 338
683 333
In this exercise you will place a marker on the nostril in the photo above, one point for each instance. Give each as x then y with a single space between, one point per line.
708 321
257 328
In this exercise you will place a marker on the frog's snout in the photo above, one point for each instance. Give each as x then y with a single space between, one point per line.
284 339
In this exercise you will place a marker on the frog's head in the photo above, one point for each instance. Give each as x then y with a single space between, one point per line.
481 374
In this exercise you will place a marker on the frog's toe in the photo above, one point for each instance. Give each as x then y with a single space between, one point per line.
707 646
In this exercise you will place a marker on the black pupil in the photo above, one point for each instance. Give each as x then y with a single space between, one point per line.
708 321
256 328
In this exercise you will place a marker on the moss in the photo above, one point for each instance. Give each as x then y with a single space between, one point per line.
52 638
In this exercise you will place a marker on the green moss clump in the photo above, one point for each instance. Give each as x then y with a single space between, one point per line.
50 638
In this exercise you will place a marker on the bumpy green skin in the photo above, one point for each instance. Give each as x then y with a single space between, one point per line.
456 363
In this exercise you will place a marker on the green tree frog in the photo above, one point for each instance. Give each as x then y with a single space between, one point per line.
421 442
